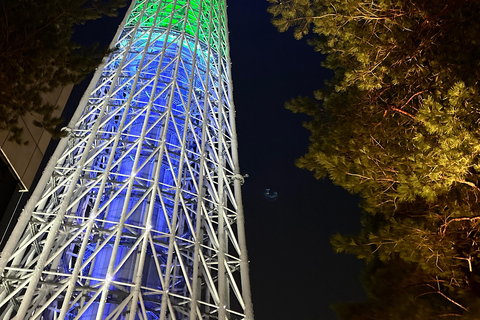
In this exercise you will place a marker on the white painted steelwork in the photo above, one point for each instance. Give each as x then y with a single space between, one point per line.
138 214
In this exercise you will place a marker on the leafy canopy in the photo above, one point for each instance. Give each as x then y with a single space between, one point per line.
399 125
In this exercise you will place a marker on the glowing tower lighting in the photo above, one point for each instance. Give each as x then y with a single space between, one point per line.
139 214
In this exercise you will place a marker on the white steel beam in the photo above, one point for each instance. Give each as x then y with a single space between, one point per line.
135 215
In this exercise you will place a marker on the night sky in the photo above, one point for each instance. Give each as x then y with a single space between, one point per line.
294 272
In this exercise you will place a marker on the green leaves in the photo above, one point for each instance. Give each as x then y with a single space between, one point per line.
293 13
399 125
387 122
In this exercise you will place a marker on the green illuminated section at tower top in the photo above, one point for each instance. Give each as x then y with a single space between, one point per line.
198 16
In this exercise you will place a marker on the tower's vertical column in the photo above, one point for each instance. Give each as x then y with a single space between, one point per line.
135 215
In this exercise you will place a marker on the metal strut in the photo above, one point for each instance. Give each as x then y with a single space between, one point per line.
138 214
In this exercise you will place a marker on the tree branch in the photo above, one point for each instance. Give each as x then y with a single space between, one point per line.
401 112
452 301
443 227
468 183
416 94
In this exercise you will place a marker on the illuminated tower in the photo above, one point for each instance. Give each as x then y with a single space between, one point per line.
138 214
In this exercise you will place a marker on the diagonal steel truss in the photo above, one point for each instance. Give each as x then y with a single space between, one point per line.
139 214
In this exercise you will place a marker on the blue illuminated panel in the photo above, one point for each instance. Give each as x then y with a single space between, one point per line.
137 203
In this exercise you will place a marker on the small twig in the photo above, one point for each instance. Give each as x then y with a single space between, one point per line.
305 18
443 295
468 183
469 259
401 112
416 94
451 300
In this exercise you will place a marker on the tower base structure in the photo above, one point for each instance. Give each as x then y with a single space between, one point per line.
138 214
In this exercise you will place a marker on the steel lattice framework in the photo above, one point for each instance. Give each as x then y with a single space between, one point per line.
138 214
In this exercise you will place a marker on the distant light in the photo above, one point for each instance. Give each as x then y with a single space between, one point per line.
270 194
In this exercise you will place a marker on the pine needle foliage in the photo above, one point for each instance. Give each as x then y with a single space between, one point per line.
37 55
399 125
